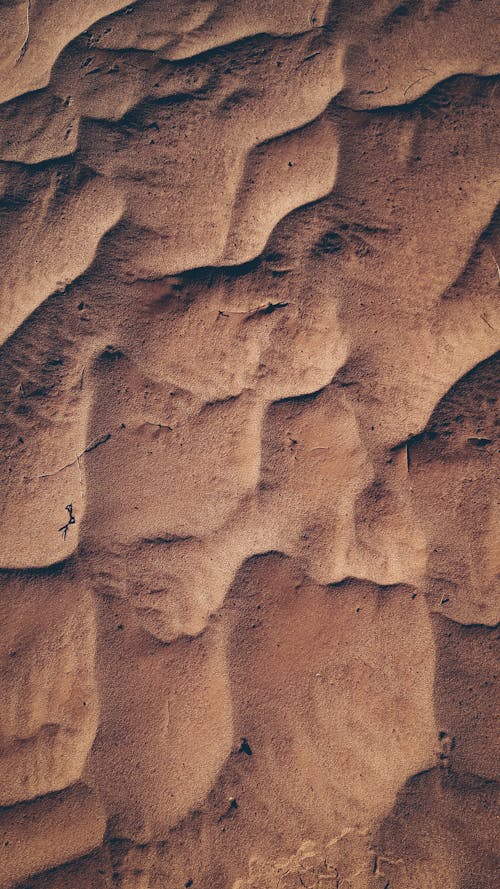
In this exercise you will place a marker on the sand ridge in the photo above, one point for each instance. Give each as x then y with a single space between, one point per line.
249 327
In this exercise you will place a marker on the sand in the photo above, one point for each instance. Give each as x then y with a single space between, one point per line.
248 379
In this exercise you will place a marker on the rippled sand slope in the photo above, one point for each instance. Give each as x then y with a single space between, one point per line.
248 377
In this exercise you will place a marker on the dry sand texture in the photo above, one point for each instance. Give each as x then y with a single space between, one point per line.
248 384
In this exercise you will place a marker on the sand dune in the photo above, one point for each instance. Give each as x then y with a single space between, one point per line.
248 372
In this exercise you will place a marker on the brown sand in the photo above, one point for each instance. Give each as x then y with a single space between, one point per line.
248 383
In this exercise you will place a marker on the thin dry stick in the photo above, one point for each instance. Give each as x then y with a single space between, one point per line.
71 520
24 47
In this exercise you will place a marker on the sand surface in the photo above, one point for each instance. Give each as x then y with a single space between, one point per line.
248 378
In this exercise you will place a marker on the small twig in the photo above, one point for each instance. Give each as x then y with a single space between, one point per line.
24 47
308 58
90 447
80 475
419 79
71 520
484 318
495 260
157 425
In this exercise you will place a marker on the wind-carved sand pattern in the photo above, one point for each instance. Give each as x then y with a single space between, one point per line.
248 374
